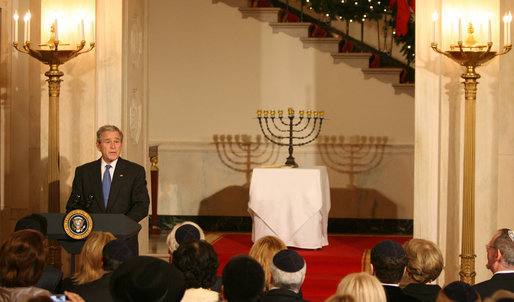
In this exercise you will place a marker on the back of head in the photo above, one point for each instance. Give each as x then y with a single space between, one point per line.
424 260
22 258
242 279
263 251
388 260
148 279
116 252
363 287
32 222
288 270
89 269
501 295
458 291
505 243
186 230
199 263
341 298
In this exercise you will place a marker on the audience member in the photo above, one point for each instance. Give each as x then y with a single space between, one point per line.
181 232
22 261
458 291
263 251
199 263
388 261
90 268
287 274
424 264
363 287
148 279
500 260
501 295
243 280
51 279
342 298
114 253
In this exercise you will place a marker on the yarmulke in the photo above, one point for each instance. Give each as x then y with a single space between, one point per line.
288 261
389 248
242 278
148 279
460 292
119 249
187 232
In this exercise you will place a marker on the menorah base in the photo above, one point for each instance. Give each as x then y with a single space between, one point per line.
291 163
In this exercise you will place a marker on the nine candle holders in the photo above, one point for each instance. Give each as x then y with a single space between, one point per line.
470 54
298 130
240 153
358 155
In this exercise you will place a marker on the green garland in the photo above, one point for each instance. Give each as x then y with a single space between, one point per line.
364 10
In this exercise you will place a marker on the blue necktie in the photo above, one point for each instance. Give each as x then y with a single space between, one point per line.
106 184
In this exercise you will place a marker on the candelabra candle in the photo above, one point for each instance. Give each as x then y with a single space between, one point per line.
298 130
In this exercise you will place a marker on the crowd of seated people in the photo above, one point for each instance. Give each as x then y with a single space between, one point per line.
110 270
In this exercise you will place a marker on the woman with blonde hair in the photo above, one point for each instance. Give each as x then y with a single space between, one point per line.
90 268
263 251
363 287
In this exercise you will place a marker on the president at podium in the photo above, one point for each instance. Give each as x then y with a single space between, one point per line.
110 184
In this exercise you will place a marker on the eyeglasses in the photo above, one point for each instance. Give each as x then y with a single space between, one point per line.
487 247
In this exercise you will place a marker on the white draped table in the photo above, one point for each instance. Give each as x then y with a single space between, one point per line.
291 204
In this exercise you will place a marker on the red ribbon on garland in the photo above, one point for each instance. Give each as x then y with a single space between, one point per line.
403 11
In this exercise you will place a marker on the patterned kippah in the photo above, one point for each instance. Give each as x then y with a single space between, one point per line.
288 261
389 248
187 232
460 291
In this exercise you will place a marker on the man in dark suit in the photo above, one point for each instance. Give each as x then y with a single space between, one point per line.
111 184
500 260
388 260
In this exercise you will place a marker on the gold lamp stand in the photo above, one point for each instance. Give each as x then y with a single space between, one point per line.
469 54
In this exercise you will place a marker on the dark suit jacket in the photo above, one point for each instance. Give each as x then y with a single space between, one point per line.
51 280
423 292
498 281
128 194
396 294
281 295
95 291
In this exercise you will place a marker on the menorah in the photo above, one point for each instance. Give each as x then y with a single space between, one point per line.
358 155
241 154
300 131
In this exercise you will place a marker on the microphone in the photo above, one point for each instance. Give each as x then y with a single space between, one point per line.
78 203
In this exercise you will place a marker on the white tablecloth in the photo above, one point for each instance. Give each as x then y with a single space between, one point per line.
291 204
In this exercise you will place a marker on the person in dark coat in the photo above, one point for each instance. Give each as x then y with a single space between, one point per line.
500 261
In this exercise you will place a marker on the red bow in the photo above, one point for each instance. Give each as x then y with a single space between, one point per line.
403 11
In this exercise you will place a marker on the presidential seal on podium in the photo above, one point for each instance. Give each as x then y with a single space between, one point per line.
78 224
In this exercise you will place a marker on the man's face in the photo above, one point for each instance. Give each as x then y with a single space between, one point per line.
110 146
492 254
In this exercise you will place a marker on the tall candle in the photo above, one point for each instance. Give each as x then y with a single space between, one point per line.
15 35
451 33
82 38
489 31
92 31
460 30
56 30
26 36
509 19
434 21
505 29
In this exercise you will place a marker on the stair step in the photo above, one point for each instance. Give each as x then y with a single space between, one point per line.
407 88
233 3
354 59
265 14
294 29
388 75
324 44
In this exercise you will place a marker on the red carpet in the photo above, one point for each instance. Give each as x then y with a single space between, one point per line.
325 267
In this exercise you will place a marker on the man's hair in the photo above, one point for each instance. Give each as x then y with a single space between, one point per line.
424 260
22 258
505 243
110 128
32 222
242 279
388 259
198 261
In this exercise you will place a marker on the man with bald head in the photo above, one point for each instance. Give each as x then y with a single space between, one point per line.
500 260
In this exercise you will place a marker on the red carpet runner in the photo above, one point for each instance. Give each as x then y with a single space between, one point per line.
325 267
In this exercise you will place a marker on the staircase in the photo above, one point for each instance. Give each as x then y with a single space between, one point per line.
330 45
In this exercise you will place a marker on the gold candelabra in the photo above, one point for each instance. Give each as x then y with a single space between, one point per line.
51 55
470 53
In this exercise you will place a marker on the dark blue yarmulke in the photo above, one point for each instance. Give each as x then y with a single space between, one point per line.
389 248
187 232
460 291
288 261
